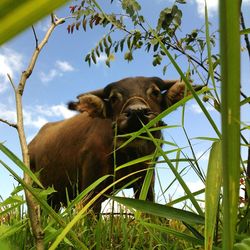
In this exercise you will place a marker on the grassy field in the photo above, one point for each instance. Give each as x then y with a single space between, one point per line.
223 224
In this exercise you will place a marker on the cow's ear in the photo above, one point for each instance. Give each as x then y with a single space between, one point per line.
176 92
89 103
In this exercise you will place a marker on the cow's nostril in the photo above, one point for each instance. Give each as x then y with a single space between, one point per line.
129 113
146 112
137 113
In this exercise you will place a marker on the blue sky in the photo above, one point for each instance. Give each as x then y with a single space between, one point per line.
61 74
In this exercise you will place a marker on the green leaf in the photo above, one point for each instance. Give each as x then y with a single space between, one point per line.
107 62
44 205
122 44
101 46
230 110
212 194
189 86
245 31
161 210
110 39
7 231
83 194
105 42
243 245
84 24
164 69
93 56
128 56
173 232
185 197
15 16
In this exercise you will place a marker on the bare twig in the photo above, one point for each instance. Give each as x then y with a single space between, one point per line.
36 39
11 82
242 22
26 74
8 123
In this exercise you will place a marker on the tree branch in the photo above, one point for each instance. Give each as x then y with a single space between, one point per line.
9 123
26 74
33 206
242 22
34 32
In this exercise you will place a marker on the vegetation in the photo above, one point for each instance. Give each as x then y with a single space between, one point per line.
225 222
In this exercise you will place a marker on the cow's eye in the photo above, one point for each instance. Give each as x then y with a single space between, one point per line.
155 93
113 99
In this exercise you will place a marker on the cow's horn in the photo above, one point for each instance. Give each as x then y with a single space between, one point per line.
169 83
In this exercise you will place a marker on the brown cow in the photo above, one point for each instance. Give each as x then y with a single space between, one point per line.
77 151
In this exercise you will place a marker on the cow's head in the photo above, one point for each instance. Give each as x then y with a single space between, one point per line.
131 101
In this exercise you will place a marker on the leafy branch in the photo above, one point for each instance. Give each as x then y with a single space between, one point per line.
89 13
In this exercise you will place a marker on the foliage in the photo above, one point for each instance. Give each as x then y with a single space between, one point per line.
192 46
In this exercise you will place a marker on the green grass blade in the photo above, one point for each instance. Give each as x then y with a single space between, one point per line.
209 54
161 210
7 231
243 245
44 204
161 116
20 164
230 107
245 101
185 197
245 31
84 193
79 215
189 86
15 16
173 232
212 194
176 173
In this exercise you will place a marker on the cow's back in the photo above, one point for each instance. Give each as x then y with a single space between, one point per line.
73 152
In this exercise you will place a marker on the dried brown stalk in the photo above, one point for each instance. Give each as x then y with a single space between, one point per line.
33 206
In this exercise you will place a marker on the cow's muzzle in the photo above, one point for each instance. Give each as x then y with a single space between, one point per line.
135 113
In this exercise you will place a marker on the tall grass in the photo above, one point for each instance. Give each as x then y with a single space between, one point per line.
230 111
161 226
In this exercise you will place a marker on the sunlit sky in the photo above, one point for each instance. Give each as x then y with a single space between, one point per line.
61 74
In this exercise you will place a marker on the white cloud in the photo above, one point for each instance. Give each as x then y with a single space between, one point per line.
101 59
55 110
204 156
31 120
195 108
44 25
7 114
60 68
47 77
212 6
37 116
195 185
64 66
11 62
